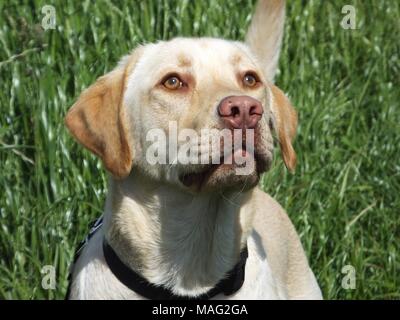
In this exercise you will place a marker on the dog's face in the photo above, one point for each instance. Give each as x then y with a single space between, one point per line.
203 96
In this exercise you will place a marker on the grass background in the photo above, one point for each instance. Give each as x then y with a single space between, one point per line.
343 198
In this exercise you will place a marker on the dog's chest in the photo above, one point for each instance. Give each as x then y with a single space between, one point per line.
94 280
260 282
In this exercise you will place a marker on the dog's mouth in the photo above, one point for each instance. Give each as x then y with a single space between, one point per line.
198 179
227 171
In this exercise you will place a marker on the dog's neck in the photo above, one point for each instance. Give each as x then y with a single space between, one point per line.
185 242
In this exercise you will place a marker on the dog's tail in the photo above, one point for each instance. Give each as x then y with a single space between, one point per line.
265 34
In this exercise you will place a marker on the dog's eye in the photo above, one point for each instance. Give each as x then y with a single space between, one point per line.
173 83
250 80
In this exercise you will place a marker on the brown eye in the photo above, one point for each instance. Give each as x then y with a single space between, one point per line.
173 83
250 80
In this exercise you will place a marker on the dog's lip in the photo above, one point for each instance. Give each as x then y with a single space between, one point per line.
198 178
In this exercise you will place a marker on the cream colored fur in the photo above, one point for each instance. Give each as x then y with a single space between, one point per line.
174 237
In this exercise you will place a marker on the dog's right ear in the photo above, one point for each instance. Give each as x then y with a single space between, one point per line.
97 120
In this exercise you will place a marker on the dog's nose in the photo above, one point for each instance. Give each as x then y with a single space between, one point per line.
240 112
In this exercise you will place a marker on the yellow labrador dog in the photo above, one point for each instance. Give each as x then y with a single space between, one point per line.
191 230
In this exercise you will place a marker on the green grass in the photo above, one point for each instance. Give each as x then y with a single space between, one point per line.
344 197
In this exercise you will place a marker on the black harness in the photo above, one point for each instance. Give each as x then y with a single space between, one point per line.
232 282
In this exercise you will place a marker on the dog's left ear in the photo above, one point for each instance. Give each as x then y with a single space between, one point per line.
265 34
286 125
98 122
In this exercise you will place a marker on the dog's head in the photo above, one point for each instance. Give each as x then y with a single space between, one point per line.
184 112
